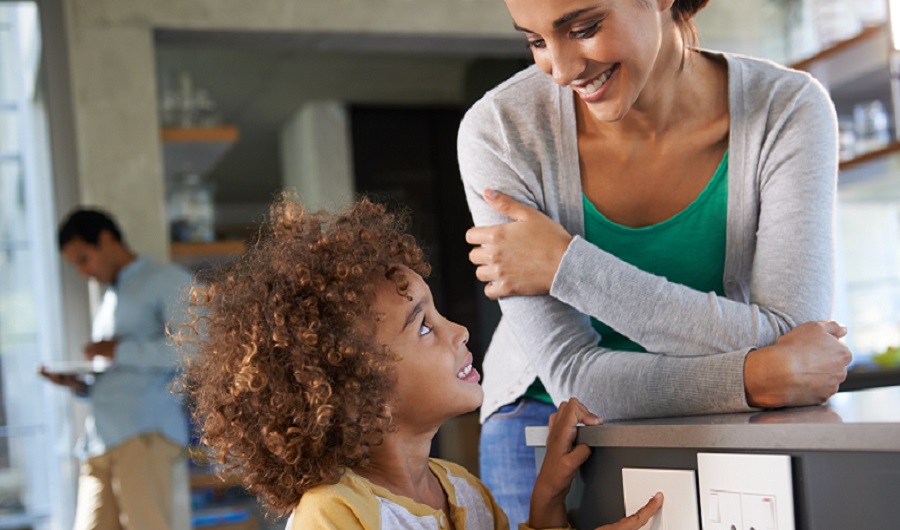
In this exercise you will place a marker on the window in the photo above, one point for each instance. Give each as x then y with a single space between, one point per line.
30 412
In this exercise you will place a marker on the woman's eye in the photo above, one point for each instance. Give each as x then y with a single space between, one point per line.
536 43
586 32
424 329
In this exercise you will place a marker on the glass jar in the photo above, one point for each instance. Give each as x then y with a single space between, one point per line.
191 210
872 126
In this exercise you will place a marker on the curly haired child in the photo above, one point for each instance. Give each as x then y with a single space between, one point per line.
323 371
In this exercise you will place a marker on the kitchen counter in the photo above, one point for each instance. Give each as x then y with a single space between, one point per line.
845 457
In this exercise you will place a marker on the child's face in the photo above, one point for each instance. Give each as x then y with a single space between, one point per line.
435 380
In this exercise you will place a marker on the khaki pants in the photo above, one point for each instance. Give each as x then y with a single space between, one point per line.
129 487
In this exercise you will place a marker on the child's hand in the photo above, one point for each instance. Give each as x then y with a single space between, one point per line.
548 500
639 518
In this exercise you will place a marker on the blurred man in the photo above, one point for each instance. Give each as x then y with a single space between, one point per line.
136 429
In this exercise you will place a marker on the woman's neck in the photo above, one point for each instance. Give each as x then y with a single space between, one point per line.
669 101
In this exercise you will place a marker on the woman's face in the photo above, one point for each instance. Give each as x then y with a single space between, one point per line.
606 50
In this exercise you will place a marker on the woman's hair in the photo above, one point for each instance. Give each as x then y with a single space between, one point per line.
281 374
683 12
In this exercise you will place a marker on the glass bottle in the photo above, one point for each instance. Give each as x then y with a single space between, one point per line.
191 209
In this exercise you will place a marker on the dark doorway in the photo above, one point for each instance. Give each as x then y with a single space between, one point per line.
406 157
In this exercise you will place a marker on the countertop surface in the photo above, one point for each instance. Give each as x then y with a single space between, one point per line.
863 420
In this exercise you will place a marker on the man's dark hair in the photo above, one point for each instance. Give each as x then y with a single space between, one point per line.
87 225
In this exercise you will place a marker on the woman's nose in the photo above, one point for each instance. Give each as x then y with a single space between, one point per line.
566 64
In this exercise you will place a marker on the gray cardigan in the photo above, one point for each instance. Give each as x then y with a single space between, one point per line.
520 138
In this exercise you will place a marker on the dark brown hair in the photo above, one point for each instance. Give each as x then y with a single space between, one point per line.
283 378
683 12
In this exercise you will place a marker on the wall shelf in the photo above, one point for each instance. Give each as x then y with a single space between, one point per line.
195 150
855 69
181 249
224 133
870 156
871 32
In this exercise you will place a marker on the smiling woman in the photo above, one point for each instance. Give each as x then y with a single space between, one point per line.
658 200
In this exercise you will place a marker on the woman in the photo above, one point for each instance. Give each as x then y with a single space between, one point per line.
682 198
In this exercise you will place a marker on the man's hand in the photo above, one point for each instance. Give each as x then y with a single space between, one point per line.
104 348
70 381
519 258
804 367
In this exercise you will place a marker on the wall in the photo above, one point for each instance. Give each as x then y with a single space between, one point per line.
112 81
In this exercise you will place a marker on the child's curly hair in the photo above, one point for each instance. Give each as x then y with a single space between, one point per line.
284 380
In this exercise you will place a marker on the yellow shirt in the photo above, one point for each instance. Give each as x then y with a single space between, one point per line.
355 503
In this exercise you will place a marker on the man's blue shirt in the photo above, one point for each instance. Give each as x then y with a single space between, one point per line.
133 396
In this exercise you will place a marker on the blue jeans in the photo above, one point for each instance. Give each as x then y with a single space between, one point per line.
507 465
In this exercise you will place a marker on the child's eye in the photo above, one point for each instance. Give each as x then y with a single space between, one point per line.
424 329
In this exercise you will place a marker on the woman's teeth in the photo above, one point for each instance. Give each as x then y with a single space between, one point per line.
464 372
595 85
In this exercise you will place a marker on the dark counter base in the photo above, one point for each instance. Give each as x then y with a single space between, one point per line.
832 490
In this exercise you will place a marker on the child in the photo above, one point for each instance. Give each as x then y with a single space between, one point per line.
323 372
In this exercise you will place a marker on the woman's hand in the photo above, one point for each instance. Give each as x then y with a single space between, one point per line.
804 367
519 258
561 462
639 518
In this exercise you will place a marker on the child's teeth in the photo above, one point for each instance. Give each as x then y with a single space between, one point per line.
464 372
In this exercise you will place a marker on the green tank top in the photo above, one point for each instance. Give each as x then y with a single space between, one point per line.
688 248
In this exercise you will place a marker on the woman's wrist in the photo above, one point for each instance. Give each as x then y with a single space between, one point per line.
762 385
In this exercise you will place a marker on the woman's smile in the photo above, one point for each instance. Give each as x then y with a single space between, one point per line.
594 89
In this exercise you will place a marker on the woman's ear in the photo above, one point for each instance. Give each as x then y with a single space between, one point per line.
665 5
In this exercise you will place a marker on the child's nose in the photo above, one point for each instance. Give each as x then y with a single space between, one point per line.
462 335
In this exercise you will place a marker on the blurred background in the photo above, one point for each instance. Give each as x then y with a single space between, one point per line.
183 118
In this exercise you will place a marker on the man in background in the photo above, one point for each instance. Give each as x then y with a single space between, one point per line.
136 430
